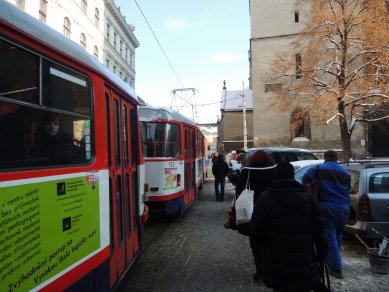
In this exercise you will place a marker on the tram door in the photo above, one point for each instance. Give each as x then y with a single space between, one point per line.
122 161
189 165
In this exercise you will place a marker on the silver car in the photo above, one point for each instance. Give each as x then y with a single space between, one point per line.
369 206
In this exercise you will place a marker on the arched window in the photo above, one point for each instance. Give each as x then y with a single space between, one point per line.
97 17
83 40
300 124
96 52
66 27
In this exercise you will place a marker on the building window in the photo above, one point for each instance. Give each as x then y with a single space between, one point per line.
126 54
108 31
96 52
273 87
114 39
296 17
298 66
20 4
107 63
120 48
97 17
114 69
120 74
84 6
300 125
66 27
83 40
42 10
131 57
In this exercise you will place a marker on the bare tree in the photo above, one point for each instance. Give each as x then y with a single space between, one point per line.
340 67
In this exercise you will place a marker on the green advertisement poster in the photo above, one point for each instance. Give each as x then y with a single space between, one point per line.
44 228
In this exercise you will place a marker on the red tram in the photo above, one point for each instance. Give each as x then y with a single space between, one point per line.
71 176
174 151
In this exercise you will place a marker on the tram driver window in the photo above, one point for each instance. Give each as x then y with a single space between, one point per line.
161 139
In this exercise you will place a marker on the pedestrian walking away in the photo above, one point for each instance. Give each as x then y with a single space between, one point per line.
220 170
288 238
333 183
261 171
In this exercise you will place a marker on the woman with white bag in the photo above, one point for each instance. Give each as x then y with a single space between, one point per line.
257 175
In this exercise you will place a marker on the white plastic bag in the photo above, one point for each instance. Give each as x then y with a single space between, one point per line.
244 205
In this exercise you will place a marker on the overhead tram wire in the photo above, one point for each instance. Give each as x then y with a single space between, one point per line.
163 51
211 103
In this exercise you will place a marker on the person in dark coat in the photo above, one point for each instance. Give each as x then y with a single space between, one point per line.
220 169
53 145
261 172
287 234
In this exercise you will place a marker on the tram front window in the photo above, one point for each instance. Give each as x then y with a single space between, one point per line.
161 139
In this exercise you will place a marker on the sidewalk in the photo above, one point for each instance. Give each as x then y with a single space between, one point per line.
196 253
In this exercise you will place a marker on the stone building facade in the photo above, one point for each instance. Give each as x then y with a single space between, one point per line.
231 123
274 26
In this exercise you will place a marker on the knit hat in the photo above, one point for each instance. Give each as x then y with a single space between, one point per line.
284 170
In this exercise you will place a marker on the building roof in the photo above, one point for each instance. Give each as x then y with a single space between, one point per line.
232 100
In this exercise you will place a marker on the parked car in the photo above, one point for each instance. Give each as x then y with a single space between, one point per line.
288 154
369 206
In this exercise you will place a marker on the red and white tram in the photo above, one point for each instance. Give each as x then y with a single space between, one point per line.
71 176
173 148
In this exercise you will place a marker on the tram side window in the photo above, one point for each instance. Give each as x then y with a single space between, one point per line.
65 90
40 130
19 77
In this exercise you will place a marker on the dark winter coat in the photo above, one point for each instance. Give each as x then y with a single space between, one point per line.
286 226
220 168
260 178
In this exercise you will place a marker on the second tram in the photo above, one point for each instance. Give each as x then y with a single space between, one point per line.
174 150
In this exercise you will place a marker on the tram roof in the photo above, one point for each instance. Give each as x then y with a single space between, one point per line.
150 113
18 18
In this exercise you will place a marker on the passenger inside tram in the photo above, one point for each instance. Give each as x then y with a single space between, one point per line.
53 144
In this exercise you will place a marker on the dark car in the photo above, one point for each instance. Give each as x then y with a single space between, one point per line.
287 154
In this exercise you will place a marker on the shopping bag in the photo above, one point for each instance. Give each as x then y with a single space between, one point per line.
244 204
230 220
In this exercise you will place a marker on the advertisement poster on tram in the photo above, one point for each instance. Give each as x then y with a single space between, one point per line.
45 228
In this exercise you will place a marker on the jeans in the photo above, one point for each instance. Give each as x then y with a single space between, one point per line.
221 181
335 218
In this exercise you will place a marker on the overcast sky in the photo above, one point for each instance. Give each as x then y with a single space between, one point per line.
205 41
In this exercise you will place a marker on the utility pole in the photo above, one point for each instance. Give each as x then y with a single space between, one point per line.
244 119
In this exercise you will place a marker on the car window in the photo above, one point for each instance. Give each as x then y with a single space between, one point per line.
286 156
306 156
299 172
354 181
379 183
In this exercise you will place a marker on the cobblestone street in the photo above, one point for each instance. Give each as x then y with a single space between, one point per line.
196 253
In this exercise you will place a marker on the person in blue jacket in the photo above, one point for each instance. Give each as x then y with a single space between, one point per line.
333 184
